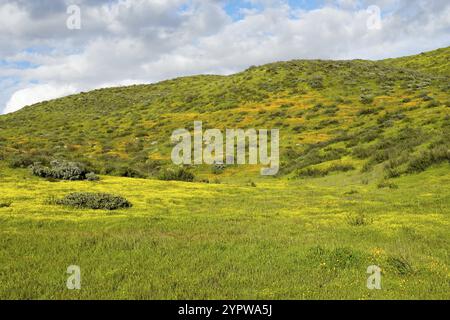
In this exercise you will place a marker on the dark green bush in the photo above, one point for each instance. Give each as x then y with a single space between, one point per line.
179 174
366 99
217 168
92 177
427 158
87 200
367 111
316 82
341 167
25 160
62 170
358 220
312 172
5 204
400 265
128 172
387 184
392 173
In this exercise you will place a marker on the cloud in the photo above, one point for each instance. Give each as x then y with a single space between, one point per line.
37 93
143 41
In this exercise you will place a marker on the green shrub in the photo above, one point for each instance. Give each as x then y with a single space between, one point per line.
432 104
25 160
387 184
250 183
62 170
217 168
299 128
392 173
341 167
426 159
92 177
364 112
400 265
87 200
366 99
5 204
128 172
316 82
179 174
312 172
367 166
361 152
358 220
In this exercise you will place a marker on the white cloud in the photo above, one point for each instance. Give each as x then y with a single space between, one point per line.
37 93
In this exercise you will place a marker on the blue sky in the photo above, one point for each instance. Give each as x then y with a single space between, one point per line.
142 41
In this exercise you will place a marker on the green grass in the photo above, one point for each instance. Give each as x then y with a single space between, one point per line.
284 239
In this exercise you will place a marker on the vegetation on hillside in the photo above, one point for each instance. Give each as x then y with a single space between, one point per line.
363 111
434 62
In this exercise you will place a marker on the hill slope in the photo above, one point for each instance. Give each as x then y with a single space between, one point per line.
435 62
331 114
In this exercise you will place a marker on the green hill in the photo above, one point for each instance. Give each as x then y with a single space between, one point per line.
434 62
331 115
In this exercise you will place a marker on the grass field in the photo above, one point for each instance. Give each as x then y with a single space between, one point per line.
283 239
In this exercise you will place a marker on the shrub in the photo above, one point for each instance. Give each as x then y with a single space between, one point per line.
367 111
39 170
387 184
316 82
366 99
250 183
217 168
358 220
400 265
5 204
341 167
361 152
426 159
312 172
25 160
367 166
92 177
128 172
392 173
432 104
87 200
180 174
62 170
299 128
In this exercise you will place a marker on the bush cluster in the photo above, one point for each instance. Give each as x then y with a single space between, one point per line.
87 200
426 159
179 174
315 172
63 170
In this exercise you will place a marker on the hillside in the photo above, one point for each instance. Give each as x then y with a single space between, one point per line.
434 62
331 114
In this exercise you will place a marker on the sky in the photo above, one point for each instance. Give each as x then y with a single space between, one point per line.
53 48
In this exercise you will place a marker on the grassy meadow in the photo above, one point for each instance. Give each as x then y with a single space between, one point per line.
283 239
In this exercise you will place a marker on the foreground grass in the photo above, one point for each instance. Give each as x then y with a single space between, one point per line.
304 239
